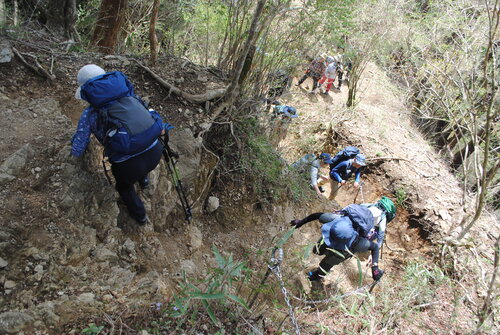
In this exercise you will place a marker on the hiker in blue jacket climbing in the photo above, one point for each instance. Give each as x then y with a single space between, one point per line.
342 171
124 126
342 235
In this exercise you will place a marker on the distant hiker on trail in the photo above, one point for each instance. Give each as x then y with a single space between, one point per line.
347 162
340 69
315 71
329 75
315 163
342 235
124 126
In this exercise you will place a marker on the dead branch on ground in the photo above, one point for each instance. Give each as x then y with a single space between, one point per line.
38 69
388 159
193 98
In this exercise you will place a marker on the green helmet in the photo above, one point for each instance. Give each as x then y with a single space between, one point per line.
388 207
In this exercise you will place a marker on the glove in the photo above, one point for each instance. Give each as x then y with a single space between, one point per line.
296 223
377 273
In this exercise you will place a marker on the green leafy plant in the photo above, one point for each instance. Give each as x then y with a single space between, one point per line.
215 291
401 197
93 329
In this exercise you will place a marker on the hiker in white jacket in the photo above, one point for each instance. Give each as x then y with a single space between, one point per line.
329 75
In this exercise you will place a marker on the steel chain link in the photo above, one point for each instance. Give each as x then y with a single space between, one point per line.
277 272
274 266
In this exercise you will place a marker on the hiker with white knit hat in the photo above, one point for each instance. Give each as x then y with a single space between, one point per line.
124 126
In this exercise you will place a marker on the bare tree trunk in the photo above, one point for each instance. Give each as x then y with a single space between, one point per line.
486 310
489 72
69 18
3 15
232 90
15 13
109 24
153 39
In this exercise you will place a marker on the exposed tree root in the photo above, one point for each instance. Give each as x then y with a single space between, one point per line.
193 98
38 69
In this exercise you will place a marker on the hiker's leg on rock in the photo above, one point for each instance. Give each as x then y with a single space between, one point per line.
334 186
330 260
320 247
304 77
129 172
315 83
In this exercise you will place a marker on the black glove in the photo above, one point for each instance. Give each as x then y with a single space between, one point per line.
296 223
377 273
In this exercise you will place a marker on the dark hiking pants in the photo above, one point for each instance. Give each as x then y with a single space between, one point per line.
314 77
129 172
334 257
340 74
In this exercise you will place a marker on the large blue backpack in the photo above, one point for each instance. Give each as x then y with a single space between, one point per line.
129 126
361 218
125 123
343 155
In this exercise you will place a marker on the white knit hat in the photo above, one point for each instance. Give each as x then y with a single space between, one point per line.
85 74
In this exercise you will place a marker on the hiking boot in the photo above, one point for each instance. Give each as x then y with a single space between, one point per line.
144 183
313 276
142 221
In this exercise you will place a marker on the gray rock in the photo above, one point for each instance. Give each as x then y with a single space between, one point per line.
3 263
212 204
46 312
86 298
9 284
120 277
14 164
6 53
127 251
5 177
104 254
13 322
196 238
202 77
188 266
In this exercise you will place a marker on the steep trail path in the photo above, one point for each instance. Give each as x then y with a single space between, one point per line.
380 125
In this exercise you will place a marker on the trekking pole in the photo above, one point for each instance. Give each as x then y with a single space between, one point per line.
169 156
359 189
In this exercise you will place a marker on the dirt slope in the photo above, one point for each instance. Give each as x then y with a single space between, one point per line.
401 161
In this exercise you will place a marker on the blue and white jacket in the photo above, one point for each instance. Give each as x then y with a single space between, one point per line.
344 170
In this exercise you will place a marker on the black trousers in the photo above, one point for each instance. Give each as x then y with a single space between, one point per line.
314 77
129 172
334 257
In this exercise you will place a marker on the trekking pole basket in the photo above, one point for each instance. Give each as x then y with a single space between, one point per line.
170 157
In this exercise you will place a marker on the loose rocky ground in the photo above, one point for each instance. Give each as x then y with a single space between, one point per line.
69 251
